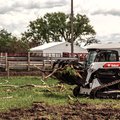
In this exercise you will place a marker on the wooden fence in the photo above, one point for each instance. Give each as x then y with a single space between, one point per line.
29 61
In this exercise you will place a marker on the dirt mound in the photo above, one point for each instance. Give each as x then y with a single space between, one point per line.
77 111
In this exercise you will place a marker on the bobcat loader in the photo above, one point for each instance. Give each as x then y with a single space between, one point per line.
100 74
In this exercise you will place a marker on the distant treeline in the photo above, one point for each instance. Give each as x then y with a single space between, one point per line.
50 27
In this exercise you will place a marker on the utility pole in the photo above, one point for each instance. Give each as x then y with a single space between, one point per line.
72 41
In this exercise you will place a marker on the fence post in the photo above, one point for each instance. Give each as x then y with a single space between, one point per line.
43 64
8 69
1 57
28 61
6 61
51 62
43 74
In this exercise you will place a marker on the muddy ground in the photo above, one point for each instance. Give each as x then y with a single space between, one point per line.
76 111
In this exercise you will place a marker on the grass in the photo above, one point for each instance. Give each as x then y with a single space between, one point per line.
14 96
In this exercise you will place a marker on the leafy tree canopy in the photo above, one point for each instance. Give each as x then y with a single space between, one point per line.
11 44
56 27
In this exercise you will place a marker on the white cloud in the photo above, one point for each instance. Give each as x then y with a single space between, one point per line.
113 38
114 12
105 24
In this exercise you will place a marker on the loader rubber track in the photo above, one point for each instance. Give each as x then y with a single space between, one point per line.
100 92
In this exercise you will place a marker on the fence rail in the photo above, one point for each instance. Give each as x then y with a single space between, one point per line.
29 61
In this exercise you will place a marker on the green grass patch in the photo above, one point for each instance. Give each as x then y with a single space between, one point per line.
12 95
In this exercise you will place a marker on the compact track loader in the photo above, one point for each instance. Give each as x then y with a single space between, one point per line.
97 77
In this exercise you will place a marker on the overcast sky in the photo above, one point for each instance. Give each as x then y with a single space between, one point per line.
103 14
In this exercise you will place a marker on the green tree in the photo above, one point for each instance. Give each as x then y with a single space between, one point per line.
10 44
56 27
18 46
5 40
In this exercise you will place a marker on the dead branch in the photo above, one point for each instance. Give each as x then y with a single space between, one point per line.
39 68
15 86
42 70
28 85
51 74
36 86
70 98
44 83
60 87
77 73
7 97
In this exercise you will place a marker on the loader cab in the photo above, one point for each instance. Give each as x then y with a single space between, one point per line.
101 55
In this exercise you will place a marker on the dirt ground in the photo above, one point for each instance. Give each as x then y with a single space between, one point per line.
76 111
22 73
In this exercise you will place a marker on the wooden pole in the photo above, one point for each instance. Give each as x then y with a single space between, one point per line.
8 69
43 74
51 62
43 64
1 57
6 61
72 45
28 61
